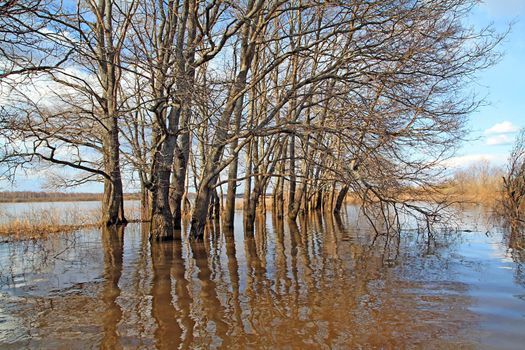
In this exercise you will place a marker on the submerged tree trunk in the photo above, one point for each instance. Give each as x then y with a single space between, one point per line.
200 211
162 227
161 216
340 199
113 199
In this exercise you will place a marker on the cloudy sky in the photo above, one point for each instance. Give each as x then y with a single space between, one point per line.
493 127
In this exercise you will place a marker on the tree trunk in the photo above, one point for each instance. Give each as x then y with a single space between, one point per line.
229 208
293 181
162 227
319 199
161 217
210 173
200 212
340 199
113 199
180 167
182 150
145 205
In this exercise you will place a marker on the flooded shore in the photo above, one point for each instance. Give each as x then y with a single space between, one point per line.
323 283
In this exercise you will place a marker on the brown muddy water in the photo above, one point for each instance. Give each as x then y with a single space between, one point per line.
322 284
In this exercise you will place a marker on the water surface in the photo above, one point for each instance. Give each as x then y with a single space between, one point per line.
323 283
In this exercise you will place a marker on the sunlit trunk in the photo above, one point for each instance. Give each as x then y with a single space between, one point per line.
229 208
113 199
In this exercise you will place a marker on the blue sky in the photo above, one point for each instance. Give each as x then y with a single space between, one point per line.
493 126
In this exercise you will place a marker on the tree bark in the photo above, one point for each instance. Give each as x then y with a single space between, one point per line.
229 208
113 198
340 199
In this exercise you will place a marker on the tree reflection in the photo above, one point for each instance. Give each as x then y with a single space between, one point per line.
113 245
516 244
168 333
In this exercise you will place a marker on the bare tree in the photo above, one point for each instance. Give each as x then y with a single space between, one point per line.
91 35
315 100
514 181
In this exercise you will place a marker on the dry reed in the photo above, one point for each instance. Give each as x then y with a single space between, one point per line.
37 223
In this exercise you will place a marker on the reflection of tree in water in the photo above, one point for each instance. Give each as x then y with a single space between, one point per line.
22 261
394 245
515 236
212 308
168 333
320 281
113 245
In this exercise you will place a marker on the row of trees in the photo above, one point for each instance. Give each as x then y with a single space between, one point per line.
479 182
302 100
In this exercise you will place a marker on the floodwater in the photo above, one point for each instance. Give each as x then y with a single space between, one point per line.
60 212
321 284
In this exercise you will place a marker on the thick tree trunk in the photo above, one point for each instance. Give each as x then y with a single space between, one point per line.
278 199
113 199
340 199
229 208
200 212
180 167
161 216
182 150
215 206
293 208
319 200
162 227
250 211
113 202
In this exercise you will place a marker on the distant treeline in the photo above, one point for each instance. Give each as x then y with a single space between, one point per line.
29 196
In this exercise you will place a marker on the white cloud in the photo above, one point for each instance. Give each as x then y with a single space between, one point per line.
502 128
502 8
460 161
502 139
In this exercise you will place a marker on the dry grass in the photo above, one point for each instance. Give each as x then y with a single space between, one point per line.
28 196
479 183
37 223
